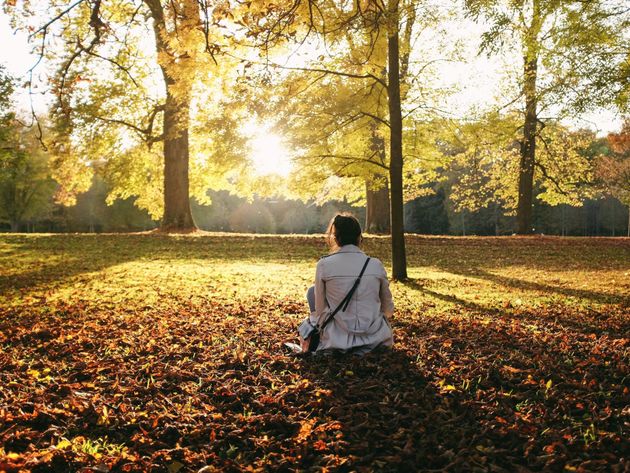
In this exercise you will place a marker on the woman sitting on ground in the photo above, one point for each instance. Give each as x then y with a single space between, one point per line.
360 324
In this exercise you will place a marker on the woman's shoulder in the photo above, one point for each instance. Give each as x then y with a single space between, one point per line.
324 260
376 260
378 265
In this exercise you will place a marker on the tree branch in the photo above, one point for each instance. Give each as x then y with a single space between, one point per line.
145 133
552 179
377 118
44 28
315 69
112 61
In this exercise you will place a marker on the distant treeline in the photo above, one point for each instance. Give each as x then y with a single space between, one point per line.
431 214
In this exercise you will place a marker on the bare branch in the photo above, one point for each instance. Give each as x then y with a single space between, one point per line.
112 61
377 118
44 28
315 69
552 179
145 133
121 122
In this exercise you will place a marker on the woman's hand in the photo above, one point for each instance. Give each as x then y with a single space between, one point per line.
304 343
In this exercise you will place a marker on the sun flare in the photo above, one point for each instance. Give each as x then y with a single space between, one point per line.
268 153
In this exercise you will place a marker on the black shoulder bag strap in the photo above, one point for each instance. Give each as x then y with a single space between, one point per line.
346 300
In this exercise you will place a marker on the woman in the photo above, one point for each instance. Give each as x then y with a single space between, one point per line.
360 324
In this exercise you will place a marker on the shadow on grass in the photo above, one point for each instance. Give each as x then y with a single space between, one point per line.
416 284
595 296
71 256
580 320
476 271
75 255
555 254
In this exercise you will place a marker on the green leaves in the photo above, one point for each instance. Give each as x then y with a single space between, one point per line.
483 170
26 186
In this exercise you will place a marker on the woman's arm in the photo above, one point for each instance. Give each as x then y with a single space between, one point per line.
320 294
387 302
320 302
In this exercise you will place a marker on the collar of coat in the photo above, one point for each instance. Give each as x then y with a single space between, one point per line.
348 249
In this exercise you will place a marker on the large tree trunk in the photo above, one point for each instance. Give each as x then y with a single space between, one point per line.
15 226
377 216
528 149
177 213
399 258
531 47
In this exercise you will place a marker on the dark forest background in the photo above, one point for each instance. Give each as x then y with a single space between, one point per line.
431 214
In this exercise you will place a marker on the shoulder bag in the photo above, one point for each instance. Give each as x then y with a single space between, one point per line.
312 332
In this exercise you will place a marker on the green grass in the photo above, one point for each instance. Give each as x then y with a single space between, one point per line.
479 271
510 353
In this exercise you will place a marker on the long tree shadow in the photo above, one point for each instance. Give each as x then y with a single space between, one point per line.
418 285
517 283
553 254
583 321
476 258
54 260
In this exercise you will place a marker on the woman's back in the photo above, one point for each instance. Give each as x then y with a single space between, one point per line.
363 322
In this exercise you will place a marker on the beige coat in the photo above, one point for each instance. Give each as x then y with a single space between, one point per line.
363 324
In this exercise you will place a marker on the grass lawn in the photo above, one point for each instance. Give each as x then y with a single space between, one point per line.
164 353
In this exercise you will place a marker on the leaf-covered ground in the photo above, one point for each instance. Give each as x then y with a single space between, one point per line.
158 353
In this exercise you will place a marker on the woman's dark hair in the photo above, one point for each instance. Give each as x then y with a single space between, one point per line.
343 229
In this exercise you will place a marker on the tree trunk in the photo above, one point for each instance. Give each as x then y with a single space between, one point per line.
15 226
496 219
585 221
596 218
399 258
377 215
177 213
528 149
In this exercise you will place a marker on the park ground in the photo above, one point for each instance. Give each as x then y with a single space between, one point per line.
165 353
